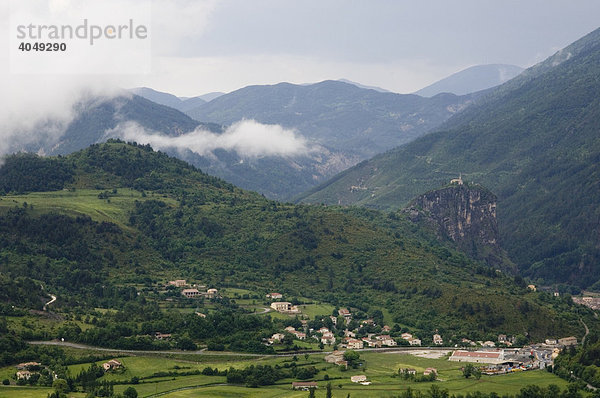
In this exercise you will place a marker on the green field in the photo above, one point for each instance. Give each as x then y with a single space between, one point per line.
378 366
83 202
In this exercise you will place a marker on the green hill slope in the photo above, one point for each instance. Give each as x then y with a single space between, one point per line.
534 142
127 219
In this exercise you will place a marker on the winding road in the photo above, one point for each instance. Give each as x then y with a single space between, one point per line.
49 302
587 331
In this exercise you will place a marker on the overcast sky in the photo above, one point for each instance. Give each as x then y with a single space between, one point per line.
400 45
199 46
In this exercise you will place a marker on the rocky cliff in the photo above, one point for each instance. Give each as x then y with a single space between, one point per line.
466 214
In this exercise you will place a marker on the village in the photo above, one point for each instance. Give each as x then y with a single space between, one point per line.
344 334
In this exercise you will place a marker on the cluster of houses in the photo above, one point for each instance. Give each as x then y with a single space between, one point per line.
372 340
193 291
592 302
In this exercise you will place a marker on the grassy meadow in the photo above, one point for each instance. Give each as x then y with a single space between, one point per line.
379 367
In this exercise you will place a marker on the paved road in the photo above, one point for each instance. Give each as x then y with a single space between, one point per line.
229 353
89 347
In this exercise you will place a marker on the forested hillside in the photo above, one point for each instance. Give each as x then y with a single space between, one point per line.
534 142
128 219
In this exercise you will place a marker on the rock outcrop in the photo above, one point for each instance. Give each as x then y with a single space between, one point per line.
466 214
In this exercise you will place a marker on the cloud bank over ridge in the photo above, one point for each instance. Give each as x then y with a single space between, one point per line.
248 138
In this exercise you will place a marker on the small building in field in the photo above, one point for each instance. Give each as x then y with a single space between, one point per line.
111 365
304 385
275 296
358 379
178 283
212 293
532 288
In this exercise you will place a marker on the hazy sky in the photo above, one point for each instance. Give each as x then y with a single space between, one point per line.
401 45
200 46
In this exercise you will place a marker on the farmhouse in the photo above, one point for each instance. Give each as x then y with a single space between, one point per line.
178 283
191 293
275 296
112 364
437 339
162 336
407 336
414 341
23 374
493 357
345 313
303 385
212 293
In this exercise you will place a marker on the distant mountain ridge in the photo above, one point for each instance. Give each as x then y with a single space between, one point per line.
534 142
182 104
342 124
335 114
473 79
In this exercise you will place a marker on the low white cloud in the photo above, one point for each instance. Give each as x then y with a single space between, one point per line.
248 138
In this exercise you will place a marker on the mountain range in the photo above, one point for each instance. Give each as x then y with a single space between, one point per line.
534 142
341 124
470 80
